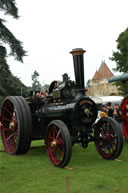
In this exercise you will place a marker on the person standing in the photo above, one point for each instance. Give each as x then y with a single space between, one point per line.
117 115
110 109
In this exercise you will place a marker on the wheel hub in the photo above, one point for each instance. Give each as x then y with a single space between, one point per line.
107 138
12 126
53 143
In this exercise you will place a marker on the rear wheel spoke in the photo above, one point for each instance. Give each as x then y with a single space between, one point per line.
5 129
6 119
11 136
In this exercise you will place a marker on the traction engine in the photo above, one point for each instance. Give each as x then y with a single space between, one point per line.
64 117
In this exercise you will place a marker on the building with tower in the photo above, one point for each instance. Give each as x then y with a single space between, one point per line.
99 85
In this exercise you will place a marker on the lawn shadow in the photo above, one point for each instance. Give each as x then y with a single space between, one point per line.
86 157
37 150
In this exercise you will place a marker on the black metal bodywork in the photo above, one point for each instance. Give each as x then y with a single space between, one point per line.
66 101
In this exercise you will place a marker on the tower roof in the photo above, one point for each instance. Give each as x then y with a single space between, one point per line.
96 76
103 73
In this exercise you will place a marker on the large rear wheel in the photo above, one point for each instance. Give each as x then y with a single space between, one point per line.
58 143
16 125
108 138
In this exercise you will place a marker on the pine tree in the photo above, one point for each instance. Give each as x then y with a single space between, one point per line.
6 36
9 7
9 84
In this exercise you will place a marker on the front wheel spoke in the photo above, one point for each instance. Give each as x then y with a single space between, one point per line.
50 138
101 133
111 134
109 148
114 137
103 145
52 149
54 152
55 129
58 134
60 142
53 134
114 142
113 148
60 153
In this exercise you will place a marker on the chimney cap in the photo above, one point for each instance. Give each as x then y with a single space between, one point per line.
77 51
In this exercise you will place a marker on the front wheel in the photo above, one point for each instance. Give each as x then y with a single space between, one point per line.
108 138
58 143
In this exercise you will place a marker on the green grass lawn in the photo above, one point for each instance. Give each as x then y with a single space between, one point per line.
34 173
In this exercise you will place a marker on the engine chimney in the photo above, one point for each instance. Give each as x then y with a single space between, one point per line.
79 69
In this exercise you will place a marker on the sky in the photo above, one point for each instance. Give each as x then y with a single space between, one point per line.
50 29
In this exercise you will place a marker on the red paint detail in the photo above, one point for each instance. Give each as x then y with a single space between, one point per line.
125 117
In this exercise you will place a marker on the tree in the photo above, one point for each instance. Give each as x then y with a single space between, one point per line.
122 87
9 84
9 7
6 36
45 86
121 55
121 59
36 86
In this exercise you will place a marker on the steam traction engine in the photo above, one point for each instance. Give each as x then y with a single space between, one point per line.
62 118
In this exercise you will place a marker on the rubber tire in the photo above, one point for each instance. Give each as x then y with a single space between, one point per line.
24 119
67 140
117 131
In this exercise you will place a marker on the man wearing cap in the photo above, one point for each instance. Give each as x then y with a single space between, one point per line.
103 112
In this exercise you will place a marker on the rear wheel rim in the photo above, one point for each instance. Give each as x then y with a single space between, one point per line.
9 128
55 145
